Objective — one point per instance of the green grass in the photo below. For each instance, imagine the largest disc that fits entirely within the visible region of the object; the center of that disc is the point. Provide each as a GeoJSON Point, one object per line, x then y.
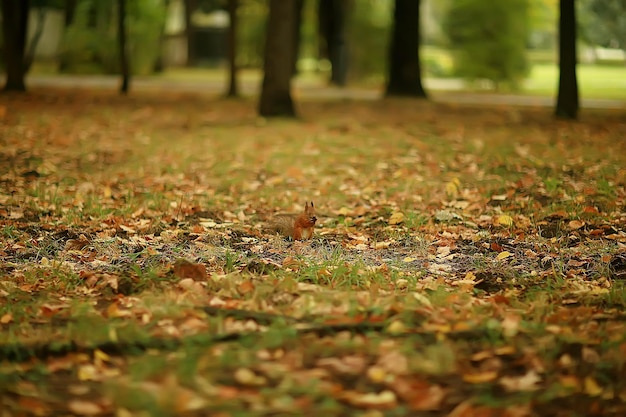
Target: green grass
{"type": "Point", "coordinates": [594, 81]}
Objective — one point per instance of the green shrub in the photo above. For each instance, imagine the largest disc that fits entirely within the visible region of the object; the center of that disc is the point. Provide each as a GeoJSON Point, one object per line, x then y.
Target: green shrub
{"type": "Point", "coordinates": [488, 39]}
{"type": "Point", "coordinates": [90, 43]}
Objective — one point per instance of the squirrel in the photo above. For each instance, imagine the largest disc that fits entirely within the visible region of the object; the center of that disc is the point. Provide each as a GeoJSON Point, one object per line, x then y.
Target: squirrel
{"type": "Point", "coordinates": [297, 228]}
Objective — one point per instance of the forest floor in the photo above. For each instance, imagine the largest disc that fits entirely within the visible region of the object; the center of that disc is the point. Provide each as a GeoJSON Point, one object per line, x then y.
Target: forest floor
{"type": "Point", "coordinates": [467, 261]}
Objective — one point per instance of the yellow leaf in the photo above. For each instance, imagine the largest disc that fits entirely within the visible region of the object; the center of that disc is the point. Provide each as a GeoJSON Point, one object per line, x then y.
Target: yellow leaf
{"type": "Point", "coordinates": [396, 218]}
{"type": "Point", "coordinates": [504, 220]}
{"type": "Point", "coordinates": [396, 327]}
{"type": "Point", "coordinates": [470, 276]}
{"type": "Point", "coordinates": [7, 318]}
{"type": "Point", "coordinates": [408, 259]}
{"type": "Point", "coordinates": [591, 387]}
{"type": "Point", "coordinates": [503, 255]}
{"type": "Point", "coordinates": [452, 187]}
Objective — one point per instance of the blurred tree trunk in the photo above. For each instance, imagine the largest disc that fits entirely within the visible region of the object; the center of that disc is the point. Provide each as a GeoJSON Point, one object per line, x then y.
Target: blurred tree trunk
{"type": "Point", "coordinates": [567, 101]}
{"type": "Point", "coordinates": [297, 36]}
{"type": "Point", "coordinates": [233, 90]}
{"type": "Point", "coordinates": [405, 75]}
{"type": "Point", "coordinates": [14, 31]}
{"type": "Point", "coordinates": [332, 26]}
{"type": "Point", "coordinates": [70, 12]}
{"type": "Point", "coordinates": [29, 55]}
{"type": "Point", "coordinates": [121, 34]}
{"type": "Point", "coordinates": [159, 63]}
{"type": "Point", "coordinates": [190, 7]}
{"type": "Point", "coordinates": [278, 65]}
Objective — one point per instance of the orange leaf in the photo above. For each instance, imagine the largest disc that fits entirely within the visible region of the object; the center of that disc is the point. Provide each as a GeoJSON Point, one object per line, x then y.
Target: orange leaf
{"type": "Point", "coordinates": [480, 377]}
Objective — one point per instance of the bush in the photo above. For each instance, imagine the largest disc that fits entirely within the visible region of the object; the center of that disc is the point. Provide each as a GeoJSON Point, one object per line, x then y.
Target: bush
{"type": "Point", "coordinates": [90, 44]}
{"type": "Point", "coordinates": [488, 39]}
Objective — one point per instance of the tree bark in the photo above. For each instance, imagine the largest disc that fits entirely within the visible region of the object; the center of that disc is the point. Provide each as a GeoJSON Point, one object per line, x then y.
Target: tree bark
{"type": "Point", "coordinates": [332, 26]}
{"type": "Point", "coordinates": [233, 90]}
{"type": "Point", "coordinates": [567, 103]}
{"type": "Point", "coordinates": [278, 65]}
{"type": "Point", "coordinates": [70, 12]}
{"type": "Point", "coordinates": [14, 30]}
{"type": "Point", "coordinates": [297, 36]}
{"type": "Point", "coordinates": [121, 34]}
{"type": "Point", "coordinates": [190, 7]}
{"type": "Point", "coordinates": [405, 78]}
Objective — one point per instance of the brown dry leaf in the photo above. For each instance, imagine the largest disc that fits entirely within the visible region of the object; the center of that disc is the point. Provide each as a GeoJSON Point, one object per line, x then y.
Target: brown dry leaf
{"type": "Point", "coordinates": [49, 310]}
{"type": "Point", "coordinates": [114, 310]}
{"type": "Point", "coordinates": [575, 224]}
{"type": "Point", "coordinates": [186, 269]}
{"type": "Point", "coordinates": [527, 382]}
{"type": "Point", "coordinates": [6, 318]}
{"type": "Point", "coordinates": [419, 394]}
{"type": "Point", "coordinates": [35, 406]}
{"type": "Point", "coordinates": [85, 408]}
{"type": "Point", "coordinates": [480, 377]}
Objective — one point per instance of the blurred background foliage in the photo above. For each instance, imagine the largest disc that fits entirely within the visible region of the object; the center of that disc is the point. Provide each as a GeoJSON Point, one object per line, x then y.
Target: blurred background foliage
{"type": "Point", "coordinates": [478, 40]}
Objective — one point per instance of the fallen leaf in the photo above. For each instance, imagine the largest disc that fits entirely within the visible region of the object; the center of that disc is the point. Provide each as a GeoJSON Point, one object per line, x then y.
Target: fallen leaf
{"type": "Point", "coordinates": [396, 218]}
{"type": "Point", "coordinates": [527, 382]}
{"type": "Point", "coordinates": [503, 255]}
{"type": "Point", "coordinates": [84, 408]}
{"type": "Point", "coordinates": [480, 377]}
{"type": "Point", "coordinates": [504, 220]}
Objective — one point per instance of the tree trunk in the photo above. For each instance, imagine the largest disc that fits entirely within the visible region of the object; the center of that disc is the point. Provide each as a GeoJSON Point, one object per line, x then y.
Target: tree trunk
{"type": "Point", "coordinates": [14, 30]}
{"type": "Point", "coordinates": [405, 78]}
{"type": "Point", "coordinates": [121, 34]}
{"type": "Point", "coordinates": [159, 63]}
{"type": "Point", "coordinates": [567, 101]}
{"type": "Point", "coordinates": [332, 26]}
{"type": "Point", "coordinates": [279, 50]}
{"type": "Point", "coordinates": [29, 56]}
{"type": "Point", "coordinates": [190, 7]}
{"type": "Point", "coordinates": [297, 36]}
{"type": "Point", "coordinates": [70, 12]}
{"type": "Point", "coordinates": [233, 90]}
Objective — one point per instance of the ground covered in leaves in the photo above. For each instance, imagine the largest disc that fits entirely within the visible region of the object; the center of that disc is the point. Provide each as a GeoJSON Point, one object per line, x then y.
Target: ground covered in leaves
{"type": "Point", "coordinates": [468, 261]}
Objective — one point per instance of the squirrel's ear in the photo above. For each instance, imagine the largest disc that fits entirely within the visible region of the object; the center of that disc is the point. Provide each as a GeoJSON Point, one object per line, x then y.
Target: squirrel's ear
{"type": "Point", "coordinates": [311, 204]}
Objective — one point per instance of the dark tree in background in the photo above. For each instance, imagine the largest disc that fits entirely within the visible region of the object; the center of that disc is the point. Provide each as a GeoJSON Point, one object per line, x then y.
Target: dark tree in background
{"type": "Point", "coordinates": [123, 51]}
{"type": "Point", "coordinates": [297, 22]}
{"type": "Point", "coordinates": [279, 56]}
{"type": "Point", "coordinates": [233, 91]}
{"type": "Point", "coordinates": [190, 7]}
{"type": "Point", "coordinates": [332, 27]}
{"type": "Point", "coordinates": [14, 30]}
{"type": "Point", "coordinates": [69, 14]}
{"type": "Point", "coordinates": [405, 75]}
{"type": "Point", "coordinates": [567, 101]}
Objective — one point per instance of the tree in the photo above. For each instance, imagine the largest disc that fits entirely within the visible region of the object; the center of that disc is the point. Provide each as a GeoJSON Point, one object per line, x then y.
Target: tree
{"type": "Point", "coordinates": [605, 22]}
{"type": "Point", "coordinates": [14, 30]}
{"type": "Point", "coordinates": [190, 7]}
{"type": "Point", "coordinates": [567, 100]}
{"type": "Point", "coordinates": [278, 65]}
{"type": "Point", "coordinates": [69, 14]}
{"type": "Point", "coordinates": [405, 77]}
{"type": "Point", "coordinates": [232, 48]}
{"type": "Point", "coordinates": [489, 39]}
{"type": "Point", "coordinates": [121, 34]}
{"type": "Point", "coordinates": [332, 27]}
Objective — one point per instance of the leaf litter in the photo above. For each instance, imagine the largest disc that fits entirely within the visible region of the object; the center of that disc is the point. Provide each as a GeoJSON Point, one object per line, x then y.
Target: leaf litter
{"type": "Point", "coordinates": [464, 263]}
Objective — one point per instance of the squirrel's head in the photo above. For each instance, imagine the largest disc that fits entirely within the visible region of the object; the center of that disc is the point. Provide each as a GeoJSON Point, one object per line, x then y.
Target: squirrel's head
{"type": "Point", "coordinates": [309, 210]}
